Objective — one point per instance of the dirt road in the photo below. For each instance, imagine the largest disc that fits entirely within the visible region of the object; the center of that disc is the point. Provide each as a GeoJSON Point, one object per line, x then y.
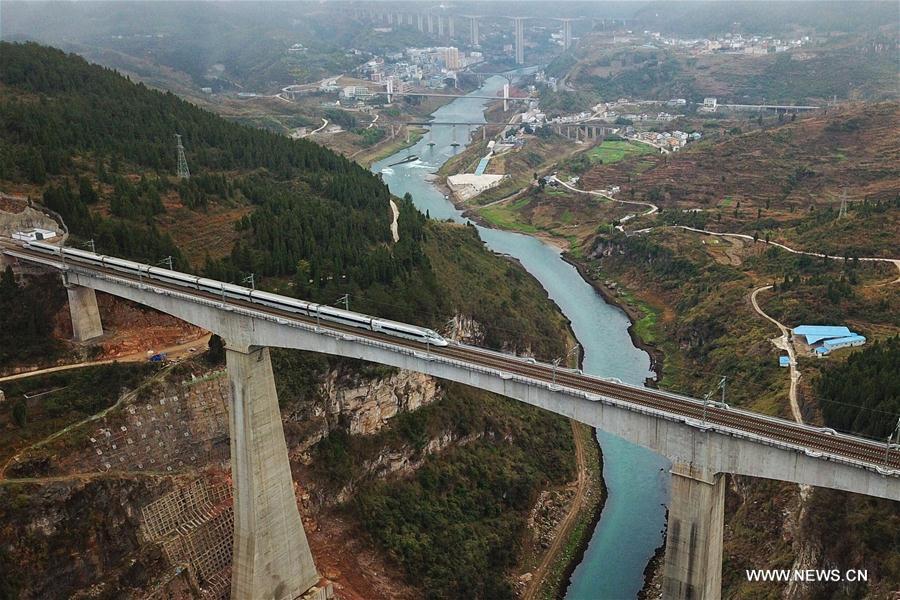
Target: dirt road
{"type": "Point", "coordinates": [565, 527]}
{"type": "Point", "coordinates": [784, 343]}
{"type": "Point", "coordinates": [172, 352]}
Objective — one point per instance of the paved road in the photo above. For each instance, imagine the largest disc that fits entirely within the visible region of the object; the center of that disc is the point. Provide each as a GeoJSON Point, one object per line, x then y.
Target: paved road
{"type": "Point", "coordinates": [652, 207]}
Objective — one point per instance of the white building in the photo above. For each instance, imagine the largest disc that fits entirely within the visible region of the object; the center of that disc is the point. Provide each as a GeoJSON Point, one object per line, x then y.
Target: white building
{"type": "Point", "coordinates": [450, 55]}
{"type": "Point", "coordinates": [34, 235]}
{"type": "Point", "coordinates": [709, 105]}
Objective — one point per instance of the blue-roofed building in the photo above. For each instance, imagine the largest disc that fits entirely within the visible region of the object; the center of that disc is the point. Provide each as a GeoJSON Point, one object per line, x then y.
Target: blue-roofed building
{"type": "Point", "coordinates": [843, 342]}
{"type": "Point", "coordinates": [784, 361]}
{"type": "Point", "coordinates": [817, 333]}
{"type": "Point", "coordinates": [822, 339]}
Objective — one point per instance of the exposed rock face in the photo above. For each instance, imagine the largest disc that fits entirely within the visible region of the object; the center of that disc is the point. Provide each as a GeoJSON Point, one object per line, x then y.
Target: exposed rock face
{"type": "Point", "coordinates": [366, 405]}
{"type": "Point", "coordinates": [466, 330]}
{"type": "Point", "coordinates": [27, 218]}
{"type": "Point", "coordinates": [604, 248]}
{"type": "Point", "coordinates": [363, 406]}
{"type": "Point", "coordinates": [77, 538]}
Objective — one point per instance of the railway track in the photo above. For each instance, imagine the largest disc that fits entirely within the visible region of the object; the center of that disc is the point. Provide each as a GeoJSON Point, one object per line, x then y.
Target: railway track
{"type": "Point", "coordinates": [785, 431]}
{"type": "Point", "coordinates": [803, 437]}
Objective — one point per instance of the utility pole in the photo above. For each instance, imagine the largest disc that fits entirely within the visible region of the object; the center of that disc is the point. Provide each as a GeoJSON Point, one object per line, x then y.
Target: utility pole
{"type": "Point", "coordinates": [887, 447]}
{"type": "Point", "coordinates": [557, 361]}
{"type": "Point", "coordinates": [346, 300]}
{"type": "Point", "coordinates": [168, 262]}
{"type": "Point", "coordinates": [707, 398]}
{"type": "Point", "coordinates": [183, 171]}
{"type": "Point", "coordinates": [452, 326]}
{"type": "Point", "coordinates": [251, 280]}
{"type": "Point", "coordinates": [90, 244]}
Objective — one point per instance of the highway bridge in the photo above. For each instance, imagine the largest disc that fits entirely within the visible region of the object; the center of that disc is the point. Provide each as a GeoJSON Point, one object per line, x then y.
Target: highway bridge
{"type": "Point", "coordinates": [460, 123]}
{"type": "Point", "coordinates": [443, 95]}
{"type": "Point", "coordinates": [704, 441]}
{"type": "Point", "coordinates": [777, 107]}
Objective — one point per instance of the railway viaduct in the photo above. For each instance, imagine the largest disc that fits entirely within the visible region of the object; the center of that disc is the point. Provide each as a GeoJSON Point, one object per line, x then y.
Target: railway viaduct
{"type": "Point", "coordinates": [272, 558]}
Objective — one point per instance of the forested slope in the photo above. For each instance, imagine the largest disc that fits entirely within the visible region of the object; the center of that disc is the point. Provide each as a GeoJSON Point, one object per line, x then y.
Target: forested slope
{"type": "Point", "coordinates": [100, 150]}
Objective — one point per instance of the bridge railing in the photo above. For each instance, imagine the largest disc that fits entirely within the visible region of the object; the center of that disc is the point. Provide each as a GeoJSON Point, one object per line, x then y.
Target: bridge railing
{"type": "Point", "coordinates": [494, 372]}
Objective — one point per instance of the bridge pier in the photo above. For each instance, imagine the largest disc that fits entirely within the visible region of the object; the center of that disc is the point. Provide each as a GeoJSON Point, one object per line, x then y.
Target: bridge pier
{"type": "Point", "coordinates": [83, 309]}
{"type": "Point", "coordinates": [693, 564]}
{"type": "Point", "coordinates": [272, 559]}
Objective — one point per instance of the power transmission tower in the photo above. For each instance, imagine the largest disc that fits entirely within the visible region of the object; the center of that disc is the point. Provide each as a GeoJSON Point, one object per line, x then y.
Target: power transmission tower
{"type": "Point", "coordinates": [843, 212]}
{"type": "Point", "coordinates": [183, 171]}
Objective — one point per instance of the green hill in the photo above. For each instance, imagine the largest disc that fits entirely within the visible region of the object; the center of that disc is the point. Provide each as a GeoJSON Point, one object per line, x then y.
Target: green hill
{"type": "Point", "coordinates": [100, 150]}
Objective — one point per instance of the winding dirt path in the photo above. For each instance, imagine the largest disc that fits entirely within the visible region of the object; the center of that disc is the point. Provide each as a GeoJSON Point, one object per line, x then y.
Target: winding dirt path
{"type": "Point", "coordinates": [171, 352]}
{"type": "Point", "coordinates": [90, 476]}
{"type": "Point", "coordinates": [395, 231]}
{"type": "Point", "coordinates": [784, 343]}
{"type": "Point", "coordinates": [315, 131]}
{"type": "Point", "coordinates": [744, 236]}
{"type": "Point", "coordinates": [565, 526]}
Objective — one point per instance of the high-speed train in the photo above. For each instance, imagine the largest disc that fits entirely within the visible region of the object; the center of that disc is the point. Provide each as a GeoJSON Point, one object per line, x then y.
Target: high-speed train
{"type": "Point", "coordinates": [236, 292]}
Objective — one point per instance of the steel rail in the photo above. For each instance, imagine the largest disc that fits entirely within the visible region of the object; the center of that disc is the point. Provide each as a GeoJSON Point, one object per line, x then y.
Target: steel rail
{"type": "Point", "coordinates": [869, 453]}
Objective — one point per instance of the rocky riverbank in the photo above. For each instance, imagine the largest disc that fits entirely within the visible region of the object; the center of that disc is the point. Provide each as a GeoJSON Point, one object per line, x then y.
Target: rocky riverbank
{"type": "Point", "coordinates": [634, 315]}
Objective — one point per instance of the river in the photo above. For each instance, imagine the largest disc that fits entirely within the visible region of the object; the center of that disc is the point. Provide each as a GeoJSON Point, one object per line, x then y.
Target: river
{"type": "Point", "coordinates": [631, 524]}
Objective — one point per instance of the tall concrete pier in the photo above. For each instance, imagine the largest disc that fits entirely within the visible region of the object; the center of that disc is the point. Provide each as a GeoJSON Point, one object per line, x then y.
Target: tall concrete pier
{"type": "Point", "coordinates": [693, 567]}
{"type": "Point", "coordinates": [86, 323]}
{"type": "Point", "coordinates": [272, 560]}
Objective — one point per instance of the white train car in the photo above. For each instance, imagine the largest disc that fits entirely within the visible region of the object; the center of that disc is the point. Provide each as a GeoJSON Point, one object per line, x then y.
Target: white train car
{"type": "Point", "coordinates": [237, 292]}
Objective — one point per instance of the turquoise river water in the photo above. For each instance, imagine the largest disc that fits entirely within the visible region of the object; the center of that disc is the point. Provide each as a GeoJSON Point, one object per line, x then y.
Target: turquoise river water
{"type": "Point", "coordinates": [637, 480]}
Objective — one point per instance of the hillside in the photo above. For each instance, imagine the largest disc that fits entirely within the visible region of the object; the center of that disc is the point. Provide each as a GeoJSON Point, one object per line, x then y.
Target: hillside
{"type": "Point", "coordinates": [99, 150]}
{"type": "Point", "coordinates": [786, 181]}
{"type": "Point", "coordinates": [691, 297]}
{"type": "Point", "coordinates": [198, 44]}
{"type": "Point", "coordinates": [859, 66]}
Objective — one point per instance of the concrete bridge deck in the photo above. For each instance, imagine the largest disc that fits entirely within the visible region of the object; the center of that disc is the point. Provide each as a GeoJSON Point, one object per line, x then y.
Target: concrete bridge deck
{"type": "Point", "coordinates": [703, 442]}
